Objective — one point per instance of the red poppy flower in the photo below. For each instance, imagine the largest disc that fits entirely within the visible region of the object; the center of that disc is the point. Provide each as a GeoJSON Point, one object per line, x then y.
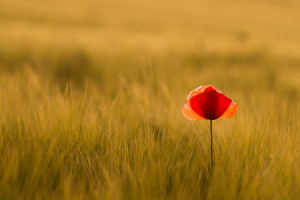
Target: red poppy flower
{"type": "Point", "coordinates": [207, 102]}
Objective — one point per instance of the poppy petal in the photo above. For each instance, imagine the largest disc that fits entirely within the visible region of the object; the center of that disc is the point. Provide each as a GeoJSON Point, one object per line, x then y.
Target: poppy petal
{"type": "Point", "coordinates": [230, 111]}
{"type": "Point", "coordinates": [211, 104]}
{"type": "Point", "coordinates": [199, 90]}
{"type": "Point", "coordinates": [190, 114]}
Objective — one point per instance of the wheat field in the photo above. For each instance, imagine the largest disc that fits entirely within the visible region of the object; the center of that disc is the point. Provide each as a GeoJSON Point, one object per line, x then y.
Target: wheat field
{"type": "Point", "coordinates": [91, 94]}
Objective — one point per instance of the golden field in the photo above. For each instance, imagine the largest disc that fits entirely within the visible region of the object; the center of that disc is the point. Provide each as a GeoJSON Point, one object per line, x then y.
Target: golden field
{"type": "Point", "coordinates": [91, 95]}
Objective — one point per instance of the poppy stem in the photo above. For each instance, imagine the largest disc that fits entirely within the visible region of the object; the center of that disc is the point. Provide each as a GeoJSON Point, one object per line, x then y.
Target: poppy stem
{"type": "Point", "coordinates": [211, 147]}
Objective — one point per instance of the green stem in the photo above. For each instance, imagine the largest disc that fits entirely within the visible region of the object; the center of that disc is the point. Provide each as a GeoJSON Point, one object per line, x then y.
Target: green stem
{"type": "Point", "coordinates": [211, 147]}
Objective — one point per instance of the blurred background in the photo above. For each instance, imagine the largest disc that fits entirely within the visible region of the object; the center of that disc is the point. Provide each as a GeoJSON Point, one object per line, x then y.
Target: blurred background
{"type": "Point", "coordinates": [240, 43]}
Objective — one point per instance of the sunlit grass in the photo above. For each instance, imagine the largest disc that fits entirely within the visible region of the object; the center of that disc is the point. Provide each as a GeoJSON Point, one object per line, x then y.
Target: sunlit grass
{"type": "Point", "coordinates": [77, 142]}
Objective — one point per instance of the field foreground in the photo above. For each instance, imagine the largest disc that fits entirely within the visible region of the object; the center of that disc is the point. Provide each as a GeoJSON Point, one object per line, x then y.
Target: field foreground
{"type": "Point", "coordinates": [91, 95]}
